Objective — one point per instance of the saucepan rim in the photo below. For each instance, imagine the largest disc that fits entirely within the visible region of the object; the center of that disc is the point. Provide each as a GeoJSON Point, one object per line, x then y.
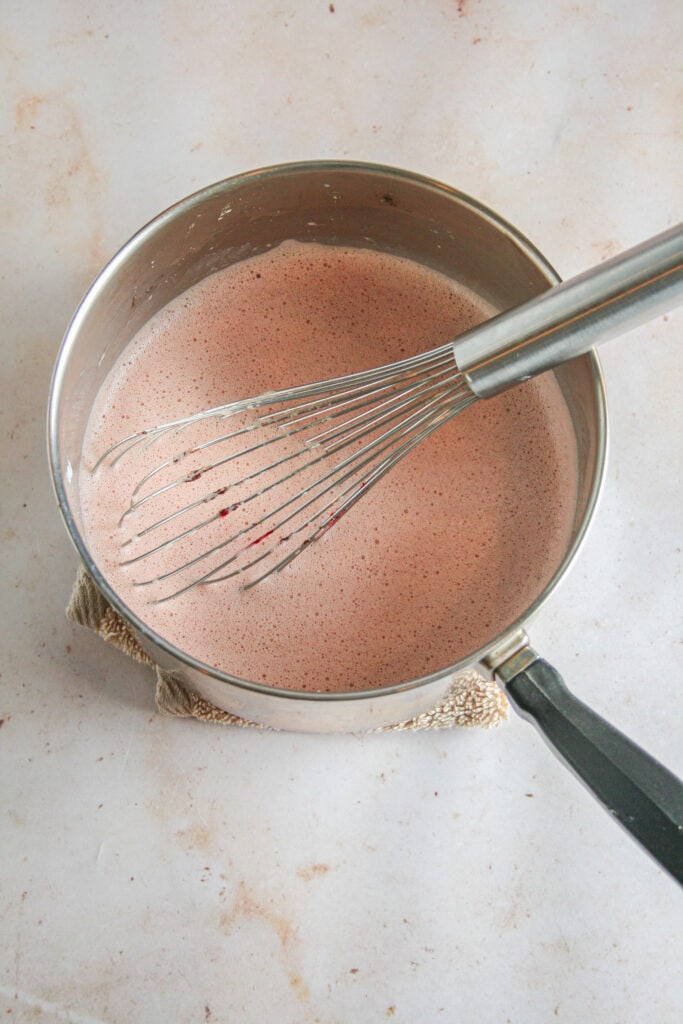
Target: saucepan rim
{"type": "Point", "coordinates": [231, 185]}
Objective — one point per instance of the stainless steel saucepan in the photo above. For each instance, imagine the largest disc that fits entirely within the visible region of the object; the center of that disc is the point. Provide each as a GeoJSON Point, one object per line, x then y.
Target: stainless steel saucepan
{"type": "Point", "coordinates": [404, 214]}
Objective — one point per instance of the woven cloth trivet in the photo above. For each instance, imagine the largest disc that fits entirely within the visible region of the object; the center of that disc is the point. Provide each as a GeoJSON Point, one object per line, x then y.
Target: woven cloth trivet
{"type": "Point", "coordinates": [471, 699]}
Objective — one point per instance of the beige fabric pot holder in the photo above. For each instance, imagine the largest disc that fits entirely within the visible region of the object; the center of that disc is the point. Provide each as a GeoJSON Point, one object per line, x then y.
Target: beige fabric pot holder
{"type": "Point", "coordinates": [470, 701]}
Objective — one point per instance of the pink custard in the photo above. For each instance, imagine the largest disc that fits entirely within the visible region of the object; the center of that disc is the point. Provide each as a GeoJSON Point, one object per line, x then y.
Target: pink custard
{"type": "Point", "coordinates": [442, 555]}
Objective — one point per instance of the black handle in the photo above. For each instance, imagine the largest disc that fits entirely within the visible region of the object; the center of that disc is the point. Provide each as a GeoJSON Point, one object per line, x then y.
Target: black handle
{"type": "Point", "coordinates": [640, 792]}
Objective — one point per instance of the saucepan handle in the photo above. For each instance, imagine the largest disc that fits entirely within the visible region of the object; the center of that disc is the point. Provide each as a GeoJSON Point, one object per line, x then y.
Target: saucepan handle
{"type": "Point", "coordinates": [643, 795]}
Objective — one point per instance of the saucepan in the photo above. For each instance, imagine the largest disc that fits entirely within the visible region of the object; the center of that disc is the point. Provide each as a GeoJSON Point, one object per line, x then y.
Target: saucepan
{"type": "Point", "coordinates": [404, 214]}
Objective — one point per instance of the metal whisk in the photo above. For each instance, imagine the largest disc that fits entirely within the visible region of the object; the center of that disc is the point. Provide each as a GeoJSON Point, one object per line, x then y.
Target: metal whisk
{"type": "Point", "coordinates": [296, 460]}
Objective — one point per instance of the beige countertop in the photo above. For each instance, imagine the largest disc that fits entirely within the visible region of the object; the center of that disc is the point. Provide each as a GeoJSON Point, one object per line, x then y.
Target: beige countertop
{"type": "Point", "coordinates": [162, 870]}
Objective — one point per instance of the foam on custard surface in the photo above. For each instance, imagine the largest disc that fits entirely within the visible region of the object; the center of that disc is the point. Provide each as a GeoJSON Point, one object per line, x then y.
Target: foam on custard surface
{"type": "Point", "coordinates": [446, 551]}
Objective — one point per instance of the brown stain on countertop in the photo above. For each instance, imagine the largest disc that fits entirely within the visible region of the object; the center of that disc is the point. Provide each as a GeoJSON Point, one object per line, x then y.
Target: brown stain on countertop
{"type": "Point", "coordinates": [247, 905]}
{"type": "Point", "coordinates": [606, 248]}
{"type": "Point", "coordinates": [299, 986]}
{"type": "Point", "coordinates": [312, 871]}
{"type": "Point", "coordinates": [49, 135]}
{"type": "Point", "coordinates": [195, 837]}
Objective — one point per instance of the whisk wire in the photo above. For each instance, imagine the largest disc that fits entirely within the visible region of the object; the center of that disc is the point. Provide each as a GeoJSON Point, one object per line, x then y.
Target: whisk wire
{"type": "Point", "coordinates": [384, 412]}
{"type": "Point", "coordinates": [343, 439]}
{"type": "Point", "coordinates": [332, 385]}
{"type": "Point", "coordinates": [380, 414]}
{"type": "Point", "coordinates": [354, 492]}
{"type": "Point", "coordinates": [428, 420]}
{"type": "Point", "coordinates": [335, 406]}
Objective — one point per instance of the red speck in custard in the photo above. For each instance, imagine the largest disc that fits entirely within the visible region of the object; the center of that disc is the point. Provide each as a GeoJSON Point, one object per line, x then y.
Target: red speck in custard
{"type": "Point", "coordinates": [259, 539]}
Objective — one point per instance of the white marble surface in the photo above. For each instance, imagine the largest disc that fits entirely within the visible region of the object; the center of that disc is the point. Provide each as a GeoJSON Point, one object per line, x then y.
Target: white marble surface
{"type": "Point", "coordinates": [161, 870]}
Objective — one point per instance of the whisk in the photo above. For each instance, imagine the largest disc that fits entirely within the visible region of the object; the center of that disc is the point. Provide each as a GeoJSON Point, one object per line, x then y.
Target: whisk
{"type": "Point", "coordinates": [296, 460]}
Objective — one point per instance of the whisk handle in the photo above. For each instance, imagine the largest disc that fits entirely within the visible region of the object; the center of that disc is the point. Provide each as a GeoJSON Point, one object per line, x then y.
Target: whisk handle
{"type": "Point", "coordinates": [644, 796]}
{"type": "Point", "coordinates": [570, 318]}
